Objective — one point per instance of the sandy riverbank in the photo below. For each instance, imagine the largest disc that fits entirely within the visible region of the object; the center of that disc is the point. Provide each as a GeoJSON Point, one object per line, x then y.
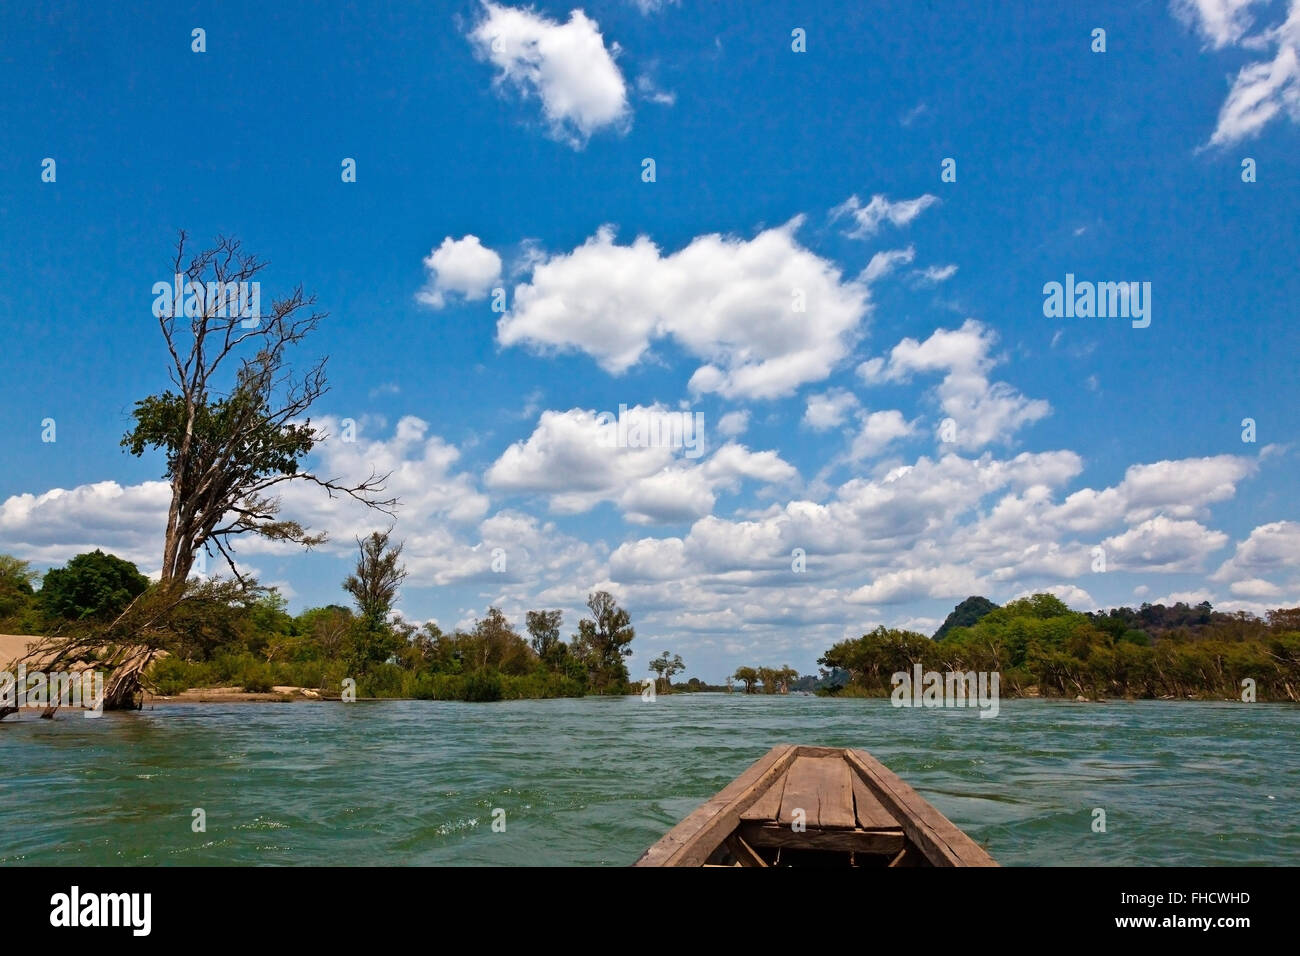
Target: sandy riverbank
{"type": "Point", "coordinates": [14, 647]}
{"type": "Point", "coordinates": [231, 695]}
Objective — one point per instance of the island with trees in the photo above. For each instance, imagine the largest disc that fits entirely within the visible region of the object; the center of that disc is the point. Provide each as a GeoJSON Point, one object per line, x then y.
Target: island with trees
{"type": "Point", "coordinates": [1042, 648]}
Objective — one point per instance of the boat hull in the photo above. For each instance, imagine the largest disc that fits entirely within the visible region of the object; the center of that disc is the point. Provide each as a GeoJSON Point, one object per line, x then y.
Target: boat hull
{"type": "Point", "coordinates": [816, 806]}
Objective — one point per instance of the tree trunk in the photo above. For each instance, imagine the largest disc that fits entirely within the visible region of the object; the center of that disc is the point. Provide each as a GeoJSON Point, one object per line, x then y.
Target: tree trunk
{"type": "Point", "coordinates": [124, 681]}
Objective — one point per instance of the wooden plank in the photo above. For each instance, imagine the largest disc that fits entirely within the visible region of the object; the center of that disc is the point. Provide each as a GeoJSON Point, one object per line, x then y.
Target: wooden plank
{"type": "Point", "coordinates": [743, 852]}
{"type": "Point", "coordinates": [694, 838]}
{"type": "Point", "coordinates": [801, 793]}
{"type": "Point", "coordinates": [884, 842]}
{"type": "Point", "coordinates": [933, 833]}
{"type": "Point", "coordinates": [823, 788]}
{"type": "Point", "coordinates": [806, 751]}
{"type": "Point", "coordinates": [867, 808]}
{"type": "Point", "coordinates": [836, 794]}
{"type": "Point", "coordinates": [768, 805]}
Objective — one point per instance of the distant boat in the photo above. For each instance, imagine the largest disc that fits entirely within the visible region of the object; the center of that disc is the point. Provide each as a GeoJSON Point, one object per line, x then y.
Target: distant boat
{"type": "Point", "coordinates": [816, 806]}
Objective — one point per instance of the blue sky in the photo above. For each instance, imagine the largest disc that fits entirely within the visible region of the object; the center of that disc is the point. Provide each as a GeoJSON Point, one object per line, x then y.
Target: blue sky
{"type": "Point", "coordinates": [521, 160]}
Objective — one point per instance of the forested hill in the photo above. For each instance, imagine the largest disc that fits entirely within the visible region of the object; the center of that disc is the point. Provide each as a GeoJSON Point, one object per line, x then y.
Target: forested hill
{"type": "Point", "coordinates": [1042, 647]}
{"type": "Point", "coordinates": [965, 614]}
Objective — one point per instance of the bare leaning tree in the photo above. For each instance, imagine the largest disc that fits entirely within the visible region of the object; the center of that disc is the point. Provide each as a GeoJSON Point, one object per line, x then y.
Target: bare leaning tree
{"type": "Point", "coordinates": [233, 429]}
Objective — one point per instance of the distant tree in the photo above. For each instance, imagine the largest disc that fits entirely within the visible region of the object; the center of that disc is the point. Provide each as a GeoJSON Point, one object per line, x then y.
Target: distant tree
{"type": "Point", "coordinates": [374, 585]}
{"type": "Point", "coordinates": [747, 676]}
{"type": "Point", "coordinates": [1040, 606]}
{"type": "Point", "coordinates": [378, 575]}
{"type": "Point", "coordinates": [216, 615]}
{"type": "Point", "coordinates": [965, 614]}
{"type": "Point", "coordinates": [544, 629]}
{"type": "Point", "coordinates": [604, 641]}
{"type": "Point", "coordinates": [495, 645]}
{"type": "Point", "coordinates": [665, 667]}
{"type": "Point", "coordinates": [326, 628]}
{"type": "Point", "coordinates": [17, 585]}
{"type": "Point", "coordinates": [872, 658]}
{"type": "Point", "coordinates": [831, 678]}
{"type": "Point", "coordinates": [775, 679]}
{"type": "Point", "coordinates": [1284, 620]}
{"type": "Point", "coordinates": [94, 586]}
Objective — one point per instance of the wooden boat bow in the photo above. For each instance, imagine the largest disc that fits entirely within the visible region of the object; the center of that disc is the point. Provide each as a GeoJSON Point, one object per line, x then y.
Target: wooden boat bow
{"type": "Point", "coordinates": [816, 806]}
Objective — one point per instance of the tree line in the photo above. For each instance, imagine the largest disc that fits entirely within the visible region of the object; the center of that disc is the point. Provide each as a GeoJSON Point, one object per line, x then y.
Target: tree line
{"type": "Point", "coordinates": [773, 680]}
{"type": "Point", "coordinates": [238, 634]}
{"type": "Point", "coordinates": [1042, 648]}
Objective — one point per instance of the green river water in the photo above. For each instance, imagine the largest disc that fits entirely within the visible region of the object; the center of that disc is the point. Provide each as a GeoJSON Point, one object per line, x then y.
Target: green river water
{"type": "Point", "coordinates": [595, 781]}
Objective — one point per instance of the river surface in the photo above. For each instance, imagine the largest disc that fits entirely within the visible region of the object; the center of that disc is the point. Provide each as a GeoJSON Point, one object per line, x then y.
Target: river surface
{"type": "Point", "coordinates": [595, 781]}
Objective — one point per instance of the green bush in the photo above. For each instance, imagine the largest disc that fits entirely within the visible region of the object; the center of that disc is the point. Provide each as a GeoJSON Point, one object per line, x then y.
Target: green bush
{"type": "Point", "coordinates": [383, 680]}
{"type": "Point", "coordinates": [540, 684]}
{"type": "Point", "coordinates": [482, 687]}
{"type": "Point", "coordinates": [172, 675]}
{"type": "Point", "coordinates": [256, 677]}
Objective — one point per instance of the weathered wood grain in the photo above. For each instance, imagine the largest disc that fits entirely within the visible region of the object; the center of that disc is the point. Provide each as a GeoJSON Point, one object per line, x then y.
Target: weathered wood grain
{"type": "Point", "coordinates": [934, 834]}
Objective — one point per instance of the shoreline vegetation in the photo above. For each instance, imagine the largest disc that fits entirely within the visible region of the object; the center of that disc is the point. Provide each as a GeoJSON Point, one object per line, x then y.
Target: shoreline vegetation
{"type": "Point", "coordinates": [243, 645]}
{"type": "Point", "coordinates": [1041, 648]}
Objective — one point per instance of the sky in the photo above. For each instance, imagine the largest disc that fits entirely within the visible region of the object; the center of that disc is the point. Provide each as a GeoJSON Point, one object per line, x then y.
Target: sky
{"type": "Point", "coordinates": [826, 232]}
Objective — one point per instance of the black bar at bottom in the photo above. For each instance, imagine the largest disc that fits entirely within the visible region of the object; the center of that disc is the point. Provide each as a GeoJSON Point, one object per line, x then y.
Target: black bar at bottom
{"type": "Point", "coordinates": [952, 908]}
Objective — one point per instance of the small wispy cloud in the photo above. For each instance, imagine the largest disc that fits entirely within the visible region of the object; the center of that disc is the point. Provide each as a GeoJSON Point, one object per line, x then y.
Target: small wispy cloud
{"type": "Point", "coordinates": [912, 115]}
{"type": "Point", "coordinates": [883, 263]}
{"type": "Point", "coordinates": [1262, 90]}
{"type": "Point", "coordinates": [933, 275]}
{"type": "Point", "coordinates": [868, 219]}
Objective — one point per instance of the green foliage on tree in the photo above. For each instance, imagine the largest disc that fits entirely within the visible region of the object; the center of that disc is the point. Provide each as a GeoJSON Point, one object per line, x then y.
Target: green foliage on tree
{"type": "Point", "coordinates": [17, 587]}
{"type": "Point", "coordinates": [378, 575]}
{"type": "Point", "coordinates": [544, 630]}
{"type": "Point", "coordinates": [371, 639]}
{"type": "Point", "coordinates": [665, 667]}
{"type": "Point", "coordinates": [603, 643]}
{"type": "Point", "coordinates": [1041, 647]}
{"type": "Point", "coordinates": [776, 679]}
{"type": "Point", "coordinates": [91, 587]}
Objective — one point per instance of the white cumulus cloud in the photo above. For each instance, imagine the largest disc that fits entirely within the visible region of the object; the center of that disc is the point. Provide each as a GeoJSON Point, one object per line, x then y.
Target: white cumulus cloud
{"type": "Point", "coordinates": [463, 267]}
{"type": "Point", "coordinates": [828, 409]}
{"type": "Point", "coordinates": [984, 412]}
{"type": "Point", "coordinates": [732, 303]}
{"type": "Point", "coordinates": [565, 65]}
